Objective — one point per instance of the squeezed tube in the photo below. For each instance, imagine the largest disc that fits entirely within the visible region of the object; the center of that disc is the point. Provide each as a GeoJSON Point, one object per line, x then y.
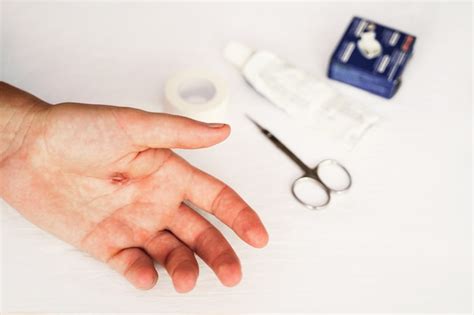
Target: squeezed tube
{"type": "Point", "coordinates": [300, 94]}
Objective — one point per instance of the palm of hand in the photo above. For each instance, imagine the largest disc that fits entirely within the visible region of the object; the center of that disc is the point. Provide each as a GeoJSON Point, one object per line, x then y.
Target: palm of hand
{"type": "Point", "coordinates": [104, 179]}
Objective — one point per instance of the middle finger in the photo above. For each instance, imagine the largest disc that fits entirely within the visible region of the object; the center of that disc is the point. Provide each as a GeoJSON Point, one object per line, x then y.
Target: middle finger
{"type": "Point", "coordinates": [202, 237]}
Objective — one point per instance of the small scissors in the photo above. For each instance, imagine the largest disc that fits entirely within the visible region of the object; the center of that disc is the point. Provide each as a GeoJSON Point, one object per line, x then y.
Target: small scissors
{"type": "Point", "coordinates": [310, 174]}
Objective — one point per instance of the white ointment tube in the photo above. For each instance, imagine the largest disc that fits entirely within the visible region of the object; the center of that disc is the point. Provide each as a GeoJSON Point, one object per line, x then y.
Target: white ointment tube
{"type": "Point", "coordinates": [300, 94]}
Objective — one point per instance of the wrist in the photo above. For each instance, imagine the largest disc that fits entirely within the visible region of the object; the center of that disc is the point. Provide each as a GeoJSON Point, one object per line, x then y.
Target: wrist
{"type": "Point", "coordinates": [18, 111]}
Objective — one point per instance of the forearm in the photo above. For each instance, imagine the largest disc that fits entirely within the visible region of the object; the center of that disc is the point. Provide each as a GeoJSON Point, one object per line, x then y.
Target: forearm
{"type": "Point", "coordinates": [17, 111]}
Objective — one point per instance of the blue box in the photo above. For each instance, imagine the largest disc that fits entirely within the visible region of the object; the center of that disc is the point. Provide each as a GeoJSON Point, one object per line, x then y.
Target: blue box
{"type": "Point", "coordinates": [372, 57]}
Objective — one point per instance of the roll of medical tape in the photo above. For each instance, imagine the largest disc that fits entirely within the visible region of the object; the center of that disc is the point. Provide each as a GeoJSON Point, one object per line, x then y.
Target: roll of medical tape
{"type": "Point", "coordinates": [197, 94]}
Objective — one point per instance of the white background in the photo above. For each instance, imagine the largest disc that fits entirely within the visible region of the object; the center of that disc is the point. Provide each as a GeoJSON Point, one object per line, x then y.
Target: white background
{"type": "Point", "coordinates": [400, 240]}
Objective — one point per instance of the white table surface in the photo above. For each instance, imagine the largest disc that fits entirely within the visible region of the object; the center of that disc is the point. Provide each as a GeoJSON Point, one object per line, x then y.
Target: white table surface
{"type": "Point", "coordinates": [399, 241]}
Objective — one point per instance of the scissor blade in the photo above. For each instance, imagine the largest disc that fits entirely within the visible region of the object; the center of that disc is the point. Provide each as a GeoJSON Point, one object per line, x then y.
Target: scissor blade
{"type": "Point", "coordinates": [280, 145]}
{"type": "Point", "coordinates": [256, 123]}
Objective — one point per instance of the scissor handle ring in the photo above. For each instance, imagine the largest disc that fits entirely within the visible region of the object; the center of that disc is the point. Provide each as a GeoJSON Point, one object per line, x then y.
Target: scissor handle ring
{"type": "Point", "coordinates": [306, 178]}
{"type": "Point", "coordinates": [334, 162]}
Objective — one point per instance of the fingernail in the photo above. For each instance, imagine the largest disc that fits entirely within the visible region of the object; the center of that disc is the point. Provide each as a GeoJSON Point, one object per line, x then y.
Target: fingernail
{"type": "Point", "coordinates": [215, 125]}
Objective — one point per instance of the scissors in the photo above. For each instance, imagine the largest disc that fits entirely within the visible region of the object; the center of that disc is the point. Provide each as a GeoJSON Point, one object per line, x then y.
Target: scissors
{"type": "Point", "coordinates": [310, 174]}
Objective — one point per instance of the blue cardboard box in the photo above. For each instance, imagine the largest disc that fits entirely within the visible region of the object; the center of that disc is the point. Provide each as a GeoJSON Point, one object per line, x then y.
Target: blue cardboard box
{"type": "Point", "coordinates": [372, 57]}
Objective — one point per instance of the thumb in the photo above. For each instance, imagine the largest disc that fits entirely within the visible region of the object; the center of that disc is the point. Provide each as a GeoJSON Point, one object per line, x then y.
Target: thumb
{"type": "Point", "coordinates": [158, 130]}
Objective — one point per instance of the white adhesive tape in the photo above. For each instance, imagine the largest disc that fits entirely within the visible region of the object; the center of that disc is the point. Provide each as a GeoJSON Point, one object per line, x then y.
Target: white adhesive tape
{"type": "Point", "coordinates": [197, 94]}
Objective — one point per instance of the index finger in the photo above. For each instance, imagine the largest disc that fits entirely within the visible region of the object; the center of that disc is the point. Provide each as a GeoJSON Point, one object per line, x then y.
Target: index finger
{"type": "Point", "coordinates": [212, 195]}
{"type": "Point", "coordinates": [159, 130]}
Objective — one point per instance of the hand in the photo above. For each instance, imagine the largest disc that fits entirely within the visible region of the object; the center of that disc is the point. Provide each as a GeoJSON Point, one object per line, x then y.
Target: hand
{"type": "Point", "coordinates": [104, 179]}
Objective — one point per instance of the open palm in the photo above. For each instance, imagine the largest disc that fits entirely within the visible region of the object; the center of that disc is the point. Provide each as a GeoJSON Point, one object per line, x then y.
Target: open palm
{"type": "Point", "coordinates": [104, 179]}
